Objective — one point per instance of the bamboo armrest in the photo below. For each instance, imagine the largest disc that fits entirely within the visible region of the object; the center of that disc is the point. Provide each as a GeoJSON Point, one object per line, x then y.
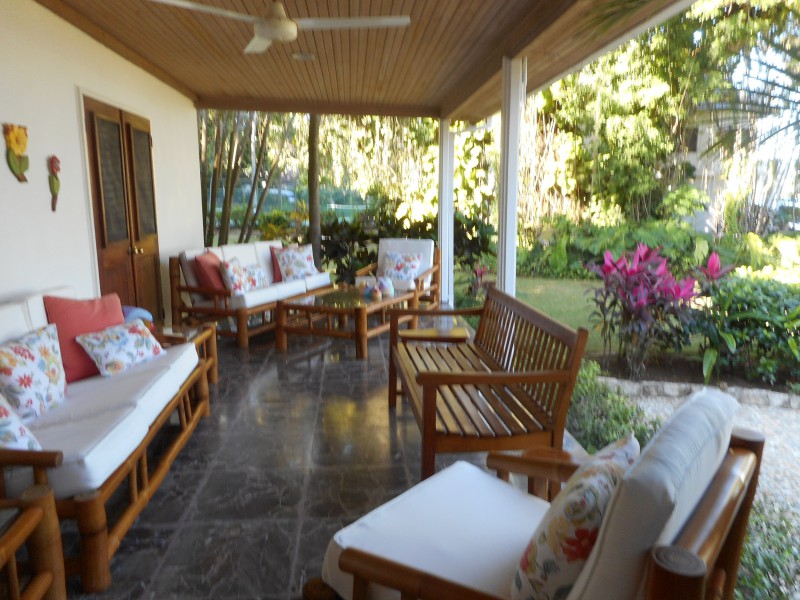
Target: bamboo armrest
{"type": "Point", "coordinates": [31, 458]}
{"type": "Point", "coordinates": [491, 377]}
{"type": "Point", "coordinates": [414, 583]}
{"type": "Point", "coordinates": [18, 532]}
{"type": "Point", "coordinates": [420, 278]}
{"type": "Point", "coordinates": [545, 463]}
{"type": "Point", "coordinates": [395, 313]}
{"type": "Point", "coordinates": [369, 269]}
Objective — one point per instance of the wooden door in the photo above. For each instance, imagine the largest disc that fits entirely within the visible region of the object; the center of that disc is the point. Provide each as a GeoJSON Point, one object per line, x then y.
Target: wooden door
{"type": "Point", "coordinates": [126, 233]}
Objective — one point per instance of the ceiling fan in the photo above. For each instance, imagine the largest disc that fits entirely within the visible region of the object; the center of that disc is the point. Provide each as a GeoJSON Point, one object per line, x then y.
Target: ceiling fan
{"type": "Point", "coordinates": [276, 26]}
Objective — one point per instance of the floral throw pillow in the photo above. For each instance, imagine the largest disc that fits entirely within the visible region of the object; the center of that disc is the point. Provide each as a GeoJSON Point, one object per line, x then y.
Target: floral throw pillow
{"type": "Point", "coordinates": [120, 347]}
{"type": "Point", "coordinates": [399, 266]}
{"type": "Point", "coordinates": [566, 535]}
{"type": "Point", "coordinates": [296, 263]}
{"type": "Point", "coordinates": [32, 373]}
{"type": "Point", "coordinates": [13, 433]}
{"type": "Point", "coordinates": [256, 276]}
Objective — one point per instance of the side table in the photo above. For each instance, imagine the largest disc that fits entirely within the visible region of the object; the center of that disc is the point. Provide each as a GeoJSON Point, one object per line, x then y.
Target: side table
{"type": "Point", "coordinates": [204, 338]}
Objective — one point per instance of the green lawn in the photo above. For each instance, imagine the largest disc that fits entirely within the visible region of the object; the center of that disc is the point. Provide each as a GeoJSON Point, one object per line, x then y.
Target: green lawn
{"type": "Point", "coordinates": [566, 300]}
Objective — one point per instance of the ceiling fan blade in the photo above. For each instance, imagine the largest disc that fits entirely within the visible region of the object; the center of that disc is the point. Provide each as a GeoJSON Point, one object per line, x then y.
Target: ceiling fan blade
{"type": "Point", "coordinates": [257, 45]}
{"type": "Point", "coordinates": [212, 10]}
{"type": "Point", "coordinates": [353, 22]}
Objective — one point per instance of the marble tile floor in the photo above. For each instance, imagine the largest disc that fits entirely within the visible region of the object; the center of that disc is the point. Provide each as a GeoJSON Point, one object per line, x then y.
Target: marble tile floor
{"type": "Point", "coordinates": [298, 444]}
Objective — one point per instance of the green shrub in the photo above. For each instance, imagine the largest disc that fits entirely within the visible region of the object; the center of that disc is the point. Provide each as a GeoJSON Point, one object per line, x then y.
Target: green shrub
{"type": "Point", "coordinates": [770, 564]}
{"type": "Point", "coordinates": [751, 324]}
{"type": "Point", "coordinates": [598, 415]}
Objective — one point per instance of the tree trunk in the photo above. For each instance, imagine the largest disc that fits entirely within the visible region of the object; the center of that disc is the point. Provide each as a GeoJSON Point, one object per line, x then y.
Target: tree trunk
{"type": "Point", "coordinates": [314, 222]}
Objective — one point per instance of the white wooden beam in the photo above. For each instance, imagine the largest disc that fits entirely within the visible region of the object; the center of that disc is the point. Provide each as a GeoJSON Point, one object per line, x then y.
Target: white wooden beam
{"type": "Point", "coordinates": [446, 209]}
{"type": "Point", "coordinates": [514, 74]}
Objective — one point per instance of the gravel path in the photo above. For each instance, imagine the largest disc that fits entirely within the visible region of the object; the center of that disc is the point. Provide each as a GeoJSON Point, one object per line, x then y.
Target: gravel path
{"type": "Point", "coordinates": [777, 416]}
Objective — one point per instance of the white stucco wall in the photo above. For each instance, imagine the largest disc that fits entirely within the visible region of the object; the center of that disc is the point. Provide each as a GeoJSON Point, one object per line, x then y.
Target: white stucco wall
{"type": "Point", "coordinates": [46, 66]}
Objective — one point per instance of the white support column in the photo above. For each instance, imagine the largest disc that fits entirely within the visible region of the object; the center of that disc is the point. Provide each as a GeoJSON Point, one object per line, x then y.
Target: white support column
{"type": "Point", "coordinates": [446, 208]}
{"type": "Point", "coordinates": [514, 86]}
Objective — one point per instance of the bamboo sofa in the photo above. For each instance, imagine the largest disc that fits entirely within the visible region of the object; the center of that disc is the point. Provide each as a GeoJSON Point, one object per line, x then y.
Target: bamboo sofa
{"type": "Point", "coordinates": [250, 313]}
{"type": "Point", "coordinates": [107, 434]}
{"type": "Point", "coordinates": [508, 389]}
{"type": "Point", "coordinates": [672, 528]}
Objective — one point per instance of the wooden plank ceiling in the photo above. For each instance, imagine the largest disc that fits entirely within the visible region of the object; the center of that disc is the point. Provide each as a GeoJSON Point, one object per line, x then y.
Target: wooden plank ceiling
{"type": "Point", "coordinates": [447, 63]}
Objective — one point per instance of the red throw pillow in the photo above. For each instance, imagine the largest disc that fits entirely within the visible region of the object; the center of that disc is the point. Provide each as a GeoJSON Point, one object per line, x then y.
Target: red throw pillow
{"type": "Point", "coordinates": [206, 267]}
{"type": "Point", "coordinates": [276, 268]}
{"type": "Point", "coordinates": [76, 317]}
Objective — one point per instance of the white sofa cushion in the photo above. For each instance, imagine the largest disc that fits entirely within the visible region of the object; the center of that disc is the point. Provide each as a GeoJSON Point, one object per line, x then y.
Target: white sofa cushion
{"type": "Point", "coordinates": [317, 281]}
{"type": "Point", "coordinates": [420, 530]}
{"type": "Point", "coordinates": [93, 446]}
{"type": "Point", "coordinates": [147, 386]}
{"type": "Point", "coordinates": [271, 293]}
{"type": "Point", "coordinates": [657, 495]}
{"type": "Point", "coordinates": [246, 253]}
{"type": "Point", "coordinates": [13, 321]}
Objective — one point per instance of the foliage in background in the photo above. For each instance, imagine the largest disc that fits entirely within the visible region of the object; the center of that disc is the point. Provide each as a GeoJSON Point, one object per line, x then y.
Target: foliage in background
{"type": "Point", "coordinates": [752, 325]}
{"type": "Point", "coordinates": [598, 415]}
{"type": "Point", "coordinates": [641, 305]}
{"type": "Point", "coordinates": [770, 562]}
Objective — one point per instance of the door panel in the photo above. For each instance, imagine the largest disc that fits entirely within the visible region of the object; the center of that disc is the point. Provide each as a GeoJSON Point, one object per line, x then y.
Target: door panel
{"type": "Point", "coordinates": [124, 205]}
{"type": "Point", "coordinates": [147, 264]}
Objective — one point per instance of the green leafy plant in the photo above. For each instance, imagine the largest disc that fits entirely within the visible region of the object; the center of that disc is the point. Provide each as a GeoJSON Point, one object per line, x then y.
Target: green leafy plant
{"type": "Point", "coordinates": [346, 246]}
{"type": "Point", "coordinates": [598, 415]}
{"type": "Point", "coordinates": [751, 324]}
{"type": "Point", "coordinates": [770, 562]}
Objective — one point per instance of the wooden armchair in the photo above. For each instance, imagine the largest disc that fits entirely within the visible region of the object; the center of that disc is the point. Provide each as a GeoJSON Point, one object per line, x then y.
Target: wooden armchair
{"type": "Point", "coordinates": [673, 528]}
{"type": "Point", "coordinates": [32, 521]}
{"type": "Point", "coordinates": [427, 283]}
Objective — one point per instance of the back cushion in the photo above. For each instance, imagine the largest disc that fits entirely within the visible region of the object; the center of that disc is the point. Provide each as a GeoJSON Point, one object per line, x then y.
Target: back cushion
{"type": "Point", "coordinates": [207, 268]}
{"type": "Point", "coordinates": [74, 317]}
{"type": "Point", "coordinates": [657, 495]}
{"type": "Point", "coordinates": [423, 247]}
{"type": "Point", "coordinates": [13, 321]}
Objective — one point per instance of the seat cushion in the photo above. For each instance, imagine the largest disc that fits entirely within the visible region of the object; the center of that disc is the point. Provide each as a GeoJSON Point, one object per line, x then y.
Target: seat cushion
{"type": "Point", "coordinates": [94, 447]}
{"type": "Point", "coordinates": [317, 280]}
{"type": "Point", "coordinates": [425, 529]}
{"type": "Point", "coordinates": [657, 495]}
{"type": "Point", "coordinates": [269, 294]}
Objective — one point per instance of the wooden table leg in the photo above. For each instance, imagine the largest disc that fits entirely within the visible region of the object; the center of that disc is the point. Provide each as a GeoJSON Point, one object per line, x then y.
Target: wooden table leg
{"type": "Point", "coordinates": [360, 332]}
{"type": "Point", "coordinates": [280, 323]}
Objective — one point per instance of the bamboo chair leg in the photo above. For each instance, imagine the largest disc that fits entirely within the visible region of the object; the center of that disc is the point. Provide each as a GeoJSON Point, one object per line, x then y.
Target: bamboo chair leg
{"type": "Point", "coordinates": [94, 563]}
{"type": "Point", "coordinates": [44, 544]}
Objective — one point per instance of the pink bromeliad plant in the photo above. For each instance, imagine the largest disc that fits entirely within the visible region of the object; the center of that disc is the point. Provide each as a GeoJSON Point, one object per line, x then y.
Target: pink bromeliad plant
{"type": "Point", "coordinates": [642, 304]}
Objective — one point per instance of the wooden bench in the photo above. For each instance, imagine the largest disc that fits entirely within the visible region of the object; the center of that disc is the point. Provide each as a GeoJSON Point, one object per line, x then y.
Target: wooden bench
{"type": "Point", "coordinates": [508, 389]}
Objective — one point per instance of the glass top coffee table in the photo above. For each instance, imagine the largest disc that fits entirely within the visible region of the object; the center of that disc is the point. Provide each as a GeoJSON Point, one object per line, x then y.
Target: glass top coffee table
{"type": "Point", "coordinates": [328, 313]}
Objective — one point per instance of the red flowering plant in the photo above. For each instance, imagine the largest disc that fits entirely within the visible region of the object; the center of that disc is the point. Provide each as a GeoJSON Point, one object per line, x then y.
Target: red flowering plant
{"type": "Point", "coordinates": [642, 304]}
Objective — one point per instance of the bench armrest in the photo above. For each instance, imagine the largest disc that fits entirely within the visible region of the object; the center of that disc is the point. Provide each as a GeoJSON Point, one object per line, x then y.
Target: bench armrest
{"type": "Point", "coordinates": [542, 463]}
{"type": "Point", "coordinates": [420, 278]}
{"type": "Point", "coordinates": [491, 377]}
{"type": "Point", "coordinates": [412, 583]}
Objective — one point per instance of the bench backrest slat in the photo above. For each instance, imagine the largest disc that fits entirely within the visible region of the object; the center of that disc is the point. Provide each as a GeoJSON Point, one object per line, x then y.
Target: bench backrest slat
{"type": "Point", "coordinates": [520, 338]}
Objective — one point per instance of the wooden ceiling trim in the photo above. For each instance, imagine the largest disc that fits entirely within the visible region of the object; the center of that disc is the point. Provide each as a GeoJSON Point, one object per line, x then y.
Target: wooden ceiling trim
{"type": "Point", "coordinates": [92, 30]}
{"type": "Point", "coordinates": [537, 22]}
{"type": "Point", "coordinates": [325, 108]}
{"type": "Point", "coordinates": [423, 27]}
{"type": "Point", "coordinates": [462, 43]}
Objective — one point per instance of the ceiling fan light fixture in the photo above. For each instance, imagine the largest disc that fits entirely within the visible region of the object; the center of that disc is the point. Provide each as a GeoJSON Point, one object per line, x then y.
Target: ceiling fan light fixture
{"type": "Point", "coordinates": [276, 29]}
